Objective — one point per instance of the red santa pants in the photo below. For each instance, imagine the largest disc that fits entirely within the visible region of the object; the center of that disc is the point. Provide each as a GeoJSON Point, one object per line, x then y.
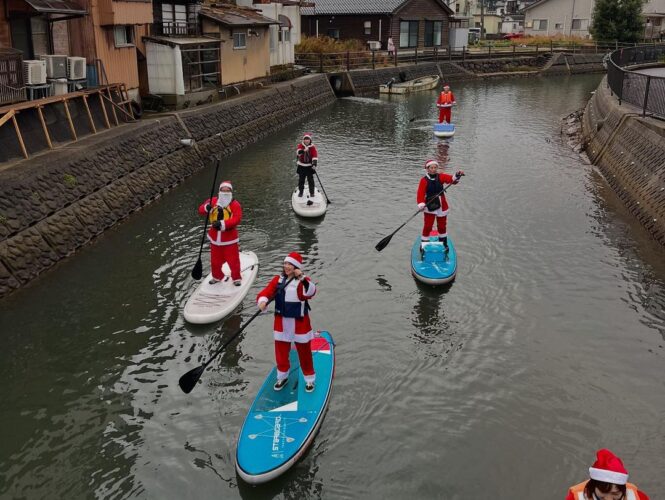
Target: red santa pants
{"type": "Point", "coordinates": [282, 350]}
{"type": "Point", "coordinates": [444, 114]}
{"type": "Point", "coordinates": [429, 222]}
{"type": "Point", "coordinates": [225, 253]}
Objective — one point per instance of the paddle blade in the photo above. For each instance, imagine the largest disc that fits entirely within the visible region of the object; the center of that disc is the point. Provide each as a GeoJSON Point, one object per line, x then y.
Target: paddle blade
{"type": "Point", "coordinates": [197, 271]}
{"type": "Point", "coordinates": [383, 243]}
{"type": "Point", "coordinates": [189, 379]}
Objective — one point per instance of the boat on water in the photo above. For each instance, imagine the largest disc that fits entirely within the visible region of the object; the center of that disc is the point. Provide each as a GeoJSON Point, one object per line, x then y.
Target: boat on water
{"type": "Point", "coordinates": [410, 86]}
{"type": "Point", "coordinates": [309, 206]}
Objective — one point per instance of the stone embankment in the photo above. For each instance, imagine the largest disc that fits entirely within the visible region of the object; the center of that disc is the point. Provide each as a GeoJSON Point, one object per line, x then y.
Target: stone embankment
{"type": "Point", "coordinates": [53, 204]}
{"type": "Point", "coordinates": [630, 152]}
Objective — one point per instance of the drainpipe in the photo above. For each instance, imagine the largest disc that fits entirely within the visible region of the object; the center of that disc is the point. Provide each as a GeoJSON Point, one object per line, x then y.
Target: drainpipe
{"type": "Point", "coordinates": [317, 28]}
{"type": "Point", "coordinates": [379, 30]}
{"type": "Point", "coordinates": [572, 16]}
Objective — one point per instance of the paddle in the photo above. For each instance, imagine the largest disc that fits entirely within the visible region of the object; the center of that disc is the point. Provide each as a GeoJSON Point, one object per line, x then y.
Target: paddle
{"type": "Point", "coordinates": [197, 271]}
{"type": "Point", "coordinates": [322, 188]}
{"type": "Point", "coordinates": [384, 242]}
{"type": "Point", "coordinates": [189, 379]}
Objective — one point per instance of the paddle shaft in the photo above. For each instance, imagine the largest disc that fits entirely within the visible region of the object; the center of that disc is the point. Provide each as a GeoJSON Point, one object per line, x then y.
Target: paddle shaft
{"type": "Point", "coordinates": [212, 192]}
{"type": "Point", "coordinates": [384, 242]}
{"type": "Point", "coordinates": [322, 188]}
{"type": "Point", "coordinates": [242, 328]}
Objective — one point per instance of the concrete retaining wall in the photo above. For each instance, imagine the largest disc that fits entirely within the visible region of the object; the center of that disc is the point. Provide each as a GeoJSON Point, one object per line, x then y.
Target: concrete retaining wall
{"type": "Point", "coordinates": [53, 204]}
{"type": "Point", "coordinates": [630, 152]}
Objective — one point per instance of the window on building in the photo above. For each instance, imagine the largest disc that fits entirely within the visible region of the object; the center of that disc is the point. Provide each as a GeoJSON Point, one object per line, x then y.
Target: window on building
{"type": "Point", "coordinates": [240, 40]}
{"type": "Point", "coordinates": [273, 37]}
{"type": "Point", "coordinates": [408, 34]}
{"type": "Point", "coordinates": [174, 19]}
{"type": "Point", "coordinates": [558, 26]}
{"type": "Point", "coordinates": [123, 35]}
{"type": "Point", "coordinates": [456, 8]}
{"type": "Point", "coordinates": [433, 33]}
{"type": "Point", "coordinates": [286, 34]}
{"type": "Point", "coordinates": [368, 27]}
{"type": "Point", "coordinates": [580, 24]}
{"type": "Point", "coordinates": [540, 24]}
{"type": "Point", "coordinates": [333, 33]}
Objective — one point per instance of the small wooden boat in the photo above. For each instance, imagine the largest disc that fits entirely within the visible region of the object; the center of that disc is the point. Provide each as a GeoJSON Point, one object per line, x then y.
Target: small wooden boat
{"type": "Point", "coordinates": [444, 129]}
{"type": "Point", "coordinates": [417, 85]}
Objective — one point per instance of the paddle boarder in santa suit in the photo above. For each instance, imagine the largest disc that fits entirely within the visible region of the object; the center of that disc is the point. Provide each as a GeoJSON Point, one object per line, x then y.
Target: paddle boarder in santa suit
{"type": "Point", "coordinates": [225, 215]}
{"type": "Point", "coordinates": [608, 481]}
{"type": "Point", "coordinates": [307, 159]}
{"type": "Point", "coordinates": [291, 290]}
{"type": "Point", "coordinates": [433, 206]}
{"type": "Point", "coordinates": [445, 103]}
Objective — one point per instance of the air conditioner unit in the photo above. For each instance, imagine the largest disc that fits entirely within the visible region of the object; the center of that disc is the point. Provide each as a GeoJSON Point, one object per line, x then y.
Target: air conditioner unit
{"type": "Point", "coordinates": [56, 66]}
{"type": "Point", "coordinates": [34, 72]}
{"type": "Point", "coordinates": [76, 68]}
{"type": "Point", "coordinates": [374, 45]}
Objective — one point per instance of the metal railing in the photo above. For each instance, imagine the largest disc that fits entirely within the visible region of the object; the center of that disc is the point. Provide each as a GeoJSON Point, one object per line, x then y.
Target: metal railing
{"type": "Point", "coordinates": [340, 61]}
{"type": "Point", "coordinates": [642, 90]}
{"type": "Point", "coordinates": [176, 28]}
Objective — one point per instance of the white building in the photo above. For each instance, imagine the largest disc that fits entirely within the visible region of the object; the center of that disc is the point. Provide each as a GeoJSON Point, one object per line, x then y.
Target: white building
{"type": "Point", "coordinates": [573, 18]}
{"type": "Point", "coordinates": [285, 36]}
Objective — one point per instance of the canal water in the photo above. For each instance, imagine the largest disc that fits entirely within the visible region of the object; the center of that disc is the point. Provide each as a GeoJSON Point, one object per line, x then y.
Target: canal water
{"type": "Point", "coordinates": [548, 346]}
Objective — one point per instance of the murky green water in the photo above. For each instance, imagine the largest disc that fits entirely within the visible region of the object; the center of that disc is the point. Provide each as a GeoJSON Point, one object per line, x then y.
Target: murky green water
{"type": "Point", "coordinates": [548, 345]}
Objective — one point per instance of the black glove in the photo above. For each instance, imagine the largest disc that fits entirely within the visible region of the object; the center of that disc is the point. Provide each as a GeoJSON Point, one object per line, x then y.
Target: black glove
{"type": "Point", "coordinates": [301, 152]}
{"type": "Point", "coordinates": [314, 163]}
{"type": "Point", "coordinates": [208, 207]}
{"type": "Point", "coordinates": [217, 225]}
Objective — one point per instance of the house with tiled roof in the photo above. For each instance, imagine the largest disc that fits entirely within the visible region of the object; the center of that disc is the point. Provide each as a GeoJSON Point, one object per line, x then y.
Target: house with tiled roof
{"type": "Point", "coordinates": [411, 23]}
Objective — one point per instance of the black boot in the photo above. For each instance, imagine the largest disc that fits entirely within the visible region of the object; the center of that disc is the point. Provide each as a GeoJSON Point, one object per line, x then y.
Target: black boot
{"type": "Point", "coordinates": [444, 240]}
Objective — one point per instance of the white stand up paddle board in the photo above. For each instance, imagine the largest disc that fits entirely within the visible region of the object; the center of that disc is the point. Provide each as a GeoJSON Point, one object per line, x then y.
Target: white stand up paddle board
{"type": "Point", "coordinates": [211, 303]}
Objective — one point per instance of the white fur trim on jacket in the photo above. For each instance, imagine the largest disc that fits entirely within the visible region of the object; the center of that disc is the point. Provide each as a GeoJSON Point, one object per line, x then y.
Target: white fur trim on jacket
{"type": "Point", "coordinates": [608, 476]}
{"type": "Point", "coordinates": [219, 242]}
{"type": "Point", "coordinates": [438, 212]}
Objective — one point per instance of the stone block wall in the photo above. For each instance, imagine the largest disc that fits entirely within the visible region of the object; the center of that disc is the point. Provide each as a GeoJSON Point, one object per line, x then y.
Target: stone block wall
{"type": "Point", "coordinates": [506, 64]}
{"type": "Point", "coordinates": [53, 204]}
{"type": "Point", "coordinates": [565, 63]}
{"type": "Point", "coordinates": [630, 153]}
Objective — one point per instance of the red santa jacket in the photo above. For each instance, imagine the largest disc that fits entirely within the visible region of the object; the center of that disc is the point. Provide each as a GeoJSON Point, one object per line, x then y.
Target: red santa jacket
{"type": "Point", "coordinates": [309, 155]}
{"type": "Point", "coordinates": [290, 329]}
{"type": "Point", "coordinates": [230, 217]}
{"type": "Point", "coordinates": [445, 99]}
{"type": "Point", "coordinates": [421, 195]}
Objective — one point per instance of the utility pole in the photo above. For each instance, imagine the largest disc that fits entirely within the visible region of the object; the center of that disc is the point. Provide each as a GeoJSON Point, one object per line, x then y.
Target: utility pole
{"type": "Point", "coordinates": [482, 19]}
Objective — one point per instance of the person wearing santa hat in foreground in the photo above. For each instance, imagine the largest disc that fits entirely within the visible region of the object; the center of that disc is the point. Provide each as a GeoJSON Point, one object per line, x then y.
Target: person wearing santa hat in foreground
{"type": "Point", "coordinates": [224, 214]}
{"type": "Point", "coordinates": [292, 291]}
{"type": "Point", "coordinates": [445, 103]}
{"type": "Point", "coordinates": [307, 160]}
{"type": "Point", "coordinates": [608, 481]}
{"type": "Point", "coordinates": [432, 201]}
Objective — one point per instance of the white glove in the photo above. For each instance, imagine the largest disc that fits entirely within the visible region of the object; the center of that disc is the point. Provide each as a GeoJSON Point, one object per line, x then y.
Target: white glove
{"type": "Point", "coordinates": [421, 206]}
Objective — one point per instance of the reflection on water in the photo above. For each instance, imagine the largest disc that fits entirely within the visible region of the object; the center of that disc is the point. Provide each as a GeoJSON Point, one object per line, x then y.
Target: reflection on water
{"type": "Point", "coordinates": [548, 345]}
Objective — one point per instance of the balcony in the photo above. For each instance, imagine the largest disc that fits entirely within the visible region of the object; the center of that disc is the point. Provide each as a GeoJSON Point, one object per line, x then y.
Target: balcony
{"type": "Point", "coordinates": [176, 29]}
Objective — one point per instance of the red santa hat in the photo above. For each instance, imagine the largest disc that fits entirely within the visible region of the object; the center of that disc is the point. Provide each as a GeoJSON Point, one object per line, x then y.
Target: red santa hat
{"type": "Point", "coordinates": [226, 184]}
{"type": "Point", "coordinates": [307, 135]}
{"type": "Point", "coordinates": [608, 468]}
{"type": "Point", "coordinates": [431, 162]}
{"type": "Point", "coordinates": [295, 259]}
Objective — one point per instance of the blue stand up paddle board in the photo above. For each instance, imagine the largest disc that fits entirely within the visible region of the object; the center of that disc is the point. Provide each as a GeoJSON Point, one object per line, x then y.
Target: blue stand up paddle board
{"type": "Point", "coordinates": [444, 129]}
{"type": "Point", "coordinates": [433, 265]}
{"type": "Point", "coordinates": [281, 424]}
